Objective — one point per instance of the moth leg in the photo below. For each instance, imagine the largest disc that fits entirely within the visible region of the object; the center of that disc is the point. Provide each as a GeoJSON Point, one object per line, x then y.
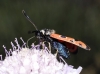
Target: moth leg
{"type": "Point", "coordinates": [49, 46]}
{"type": "Point", "coordinates": [43, 45]}
{"type": "Point", "coordinates": [62, 60]}
{"type": "Point", "coordinates": [56, 53]}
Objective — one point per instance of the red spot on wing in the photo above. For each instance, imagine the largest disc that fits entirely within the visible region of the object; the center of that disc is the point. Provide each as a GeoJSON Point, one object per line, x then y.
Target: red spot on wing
{"type": "Point", "coordinates": [71, 47]}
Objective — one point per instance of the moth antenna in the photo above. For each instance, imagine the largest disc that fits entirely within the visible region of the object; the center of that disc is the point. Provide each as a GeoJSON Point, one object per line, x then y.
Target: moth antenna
{"type": "Point", "coordinates": [28, 18]}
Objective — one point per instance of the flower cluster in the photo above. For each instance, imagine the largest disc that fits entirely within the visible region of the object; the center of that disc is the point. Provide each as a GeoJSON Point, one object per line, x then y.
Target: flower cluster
{"type": "Point", "coordinates": [34, 60]}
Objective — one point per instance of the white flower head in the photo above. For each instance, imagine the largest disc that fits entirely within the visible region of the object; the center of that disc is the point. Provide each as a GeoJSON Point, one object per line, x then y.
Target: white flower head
{"type": "Point", "coordinates": [23, 60]}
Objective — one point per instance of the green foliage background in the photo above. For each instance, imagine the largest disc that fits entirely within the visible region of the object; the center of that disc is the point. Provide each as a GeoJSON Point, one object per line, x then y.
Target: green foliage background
{"type": "Point", "coordinates": [79, 19]}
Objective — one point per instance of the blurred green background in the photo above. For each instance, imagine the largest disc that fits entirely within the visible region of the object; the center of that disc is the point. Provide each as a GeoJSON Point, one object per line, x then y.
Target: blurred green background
{"type": "Point", "coordinates": [79, 19]}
